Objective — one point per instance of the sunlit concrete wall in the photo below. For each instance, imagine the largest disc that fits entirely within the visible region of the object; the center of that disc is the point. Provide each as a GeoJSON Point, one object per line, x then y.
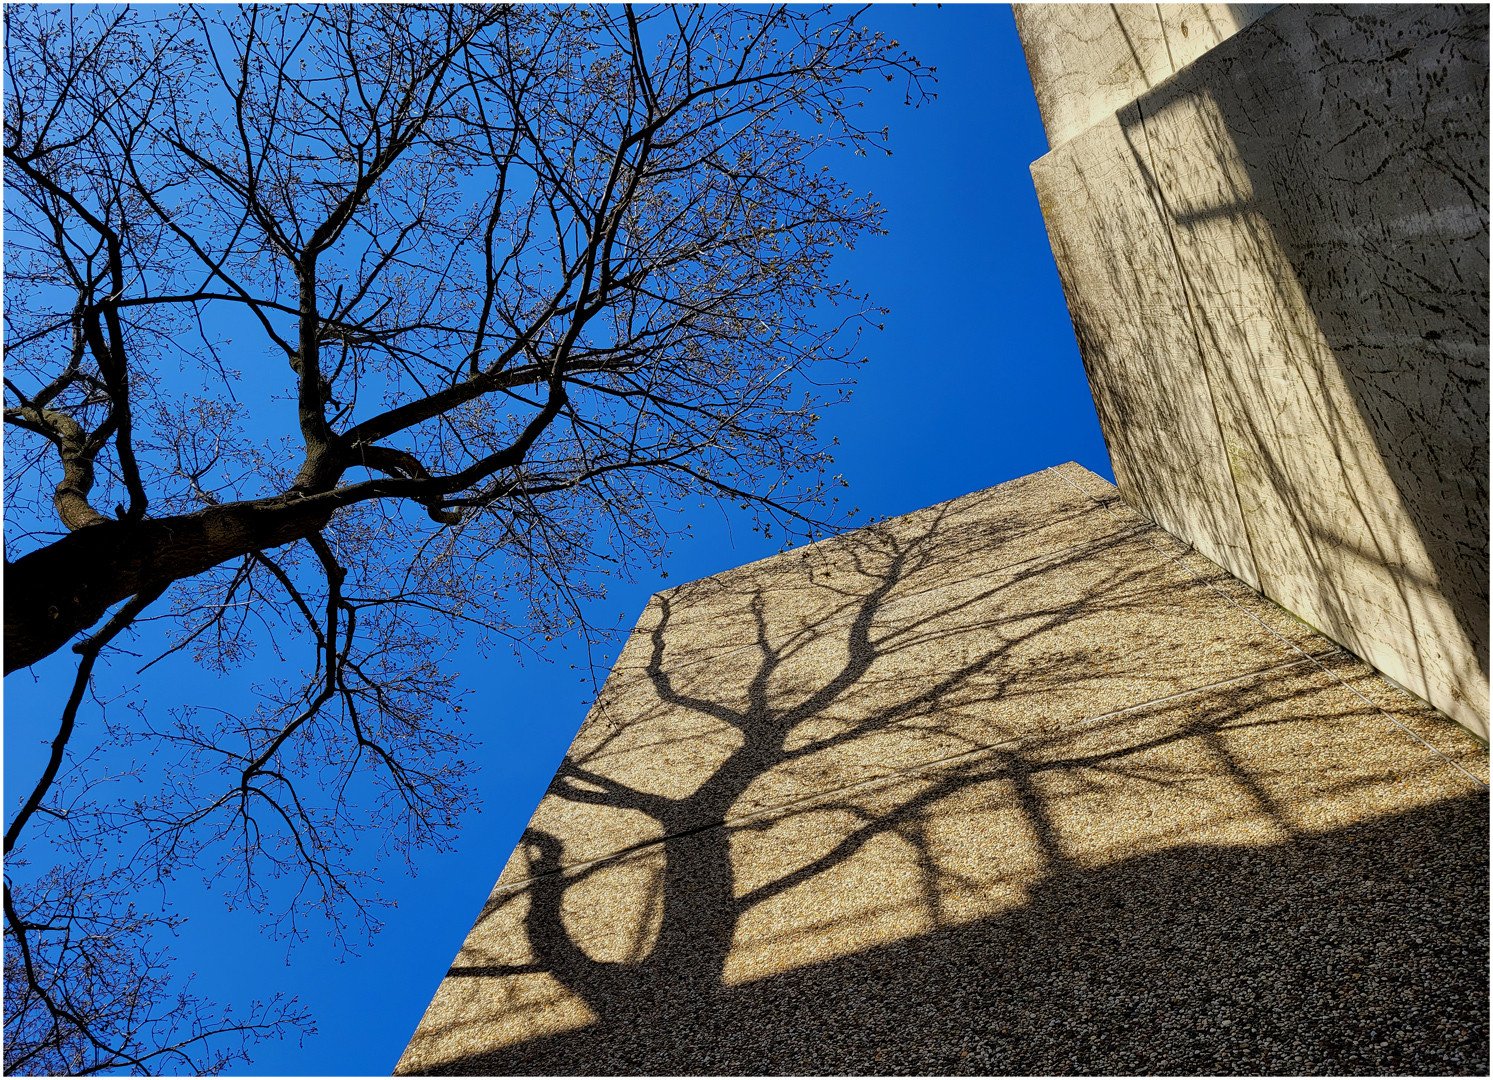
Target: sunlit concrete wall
{"type": "Point", "coordinates": [1087, 61]}
{"type": "Point", "coordinates": [1271, 225]}
{"type": "Point", "coordinates": [959, 792]}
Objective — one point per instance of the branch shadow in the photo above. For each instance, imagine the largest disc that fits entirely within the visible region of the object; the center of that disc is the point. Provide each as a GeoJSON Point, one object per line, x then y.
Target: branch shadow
{"type": "Point", "coordinates": [846, 785]}
{"type": "Point", "coordinates": [1277, 272]}
{"type": "Point", "coordinates": [1297, 958]}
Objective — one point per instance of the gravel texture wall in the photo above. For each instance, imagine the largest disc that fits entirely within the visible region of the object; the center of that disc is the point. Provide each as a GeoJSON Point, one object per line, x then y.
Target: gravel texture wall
{"type": "Point", "coordinates": [1276, 260]}
{"type": "Point", "coordinates": [1017, 783]}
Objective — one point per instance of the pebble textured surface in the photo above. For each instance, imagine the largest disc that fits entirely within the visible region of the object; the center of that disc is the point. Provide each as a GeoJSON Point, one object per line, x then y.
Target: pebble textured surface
{"type": "Point", "coordinates": [1276, 261]}
{"type": "Point", "coordinates": [1015, 784]}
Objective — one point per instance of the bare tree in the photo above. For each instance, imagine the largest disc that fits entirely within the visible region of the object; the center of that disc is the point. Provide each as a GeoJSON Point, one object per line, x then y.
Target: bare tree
{"type": "Point", "coordinates": [535, 276]}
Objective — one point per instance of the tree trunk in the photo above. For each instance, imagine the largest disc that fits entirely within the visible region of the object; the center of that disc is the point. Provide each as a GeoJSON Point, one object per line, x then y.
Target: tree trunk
{"type": "Point", "coordinates": [64, 588]}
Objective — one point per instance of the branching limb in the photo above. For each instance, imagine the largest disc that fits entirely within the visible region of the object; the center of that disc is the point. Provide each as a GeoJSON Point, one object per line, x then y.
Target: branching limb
{"type": "Point", "coordinates": [88, 650]}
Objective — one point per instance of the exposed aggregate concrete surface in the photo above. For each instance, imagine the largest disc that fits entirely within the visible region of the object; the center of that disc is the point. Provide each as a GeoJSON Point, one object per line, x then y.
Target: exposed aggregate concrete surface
{"type": "Point", "coordinates": [1015, 784]}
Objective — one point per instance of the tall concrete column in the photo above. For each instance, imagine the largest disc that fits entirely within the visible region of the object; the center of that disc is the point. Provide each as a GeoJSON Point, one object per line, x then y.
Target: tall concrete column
{"type": "Point", "coordinates": [1271, 224]}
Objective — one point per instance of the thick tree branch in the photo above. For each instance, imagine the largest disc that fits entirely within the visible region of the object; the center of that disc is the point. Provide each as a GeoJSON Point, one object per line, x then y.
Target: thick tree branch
{"type": "Point", "coordinates": [64, 588]}
{"type": "Point", "coordinates": [620, 319]}
{"type": "Point", "coordinates": [89, 651]}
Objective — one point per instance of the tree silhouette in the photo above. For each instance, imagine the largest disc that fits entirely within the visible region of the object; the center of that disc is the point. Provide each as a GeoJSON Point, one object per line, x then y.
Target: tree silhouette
{"type": "Point", "coordinates": [534, 274]}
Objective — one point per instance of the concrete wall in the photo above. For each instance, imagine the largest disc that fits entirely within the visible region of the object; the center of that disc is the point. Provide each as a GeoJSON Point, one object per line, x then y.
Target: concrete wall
{"type": "Point", "coordinates": [1089, 60]}
{"type": "Point", "coordinates": [972, 791]}
{"type": "Point", "coordinates": [1272, 231]}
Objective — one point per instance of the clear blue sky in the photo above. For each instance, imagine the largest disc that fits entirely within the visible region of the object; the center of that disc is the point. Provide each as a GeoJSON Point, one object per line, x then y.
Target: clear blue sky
{"type": "Point", "coordinates": [975, 380]}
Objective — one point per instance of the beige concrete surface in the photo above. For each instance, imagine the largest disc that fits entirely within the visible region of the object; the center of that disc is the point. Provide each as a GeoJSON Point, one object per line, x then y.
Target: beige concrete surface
{"type": "Point", "coordinates": [1088, 60]}
{"type": "Point", "coordinates": [1277, 268]}
{"type": "Point", "coordinates": [1130, 313]}
{"type": "Point", "coordinates": [910, 738]}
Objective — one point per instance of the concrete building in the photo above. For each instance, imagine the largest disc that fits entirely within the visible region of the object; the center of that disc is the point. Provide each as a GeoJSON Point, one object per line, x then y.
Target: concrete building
{"type": "Point", "coordinates": [1014, 784]}
{"type": "Point", "coordinates": [1036, 780]}
{"type": "Point", "coordinates": [1271, 224]}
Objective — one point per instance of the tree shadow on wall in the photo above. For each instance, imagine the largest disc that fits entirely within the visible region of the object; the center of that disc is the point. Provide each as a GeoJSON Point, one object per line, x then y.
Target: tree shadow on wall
{"type": "Point", "coordinates": [1358, 951]}
{"type": "Point", "coordinates": [745, 932]}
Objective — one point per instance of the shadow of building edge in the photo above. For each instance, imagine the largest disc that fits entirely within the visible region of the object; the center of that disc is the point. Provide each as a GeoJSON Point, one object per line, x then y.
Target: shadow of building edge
{"type": "Point", "coordinates": [703, 872]}
{"type": "Point", "coordinates": [1459, 555]}
{"type": "Point", "coordinates": [1337, 952]}
{"type": "Point", "coordinates": [677, 991]}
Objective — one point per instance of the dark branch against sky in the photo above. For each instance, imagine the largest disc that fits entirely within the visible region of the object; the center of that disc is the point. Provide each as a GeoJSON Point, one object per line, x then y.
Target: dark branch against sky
{"type": "Point", "coordinates": [973, 380]}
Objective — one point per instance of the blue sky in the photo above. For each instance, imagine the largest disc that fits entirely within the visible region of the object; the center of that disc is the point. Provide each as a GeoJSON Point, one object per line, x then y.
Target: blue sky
{"type": "Point", "coordinates": [974, 380]}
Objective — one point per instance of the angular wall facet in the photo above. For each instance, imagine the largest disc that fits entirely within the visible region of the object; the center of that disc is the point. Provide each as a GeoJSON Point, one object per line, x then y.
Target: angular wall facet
{"type": "Point", "coordinates": [1136, 337]}
{"type": "Point", "coordinates": [1089, 60]}
{"type": "Point", "coordinates": [1276, 260]}
{"type": "Point", "coordinates": [942, 794]}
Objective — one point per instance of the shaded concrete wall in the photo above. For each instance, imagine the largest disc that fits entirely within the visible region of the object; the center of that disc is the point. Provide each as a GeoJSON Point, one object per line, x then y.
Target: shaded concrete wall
{"type": "Point", "coordinates": [1089, 60]}
{"type": "Point", "coordinates": [967, 791]}
{"type": "Point", "coordinates": [1273, 236]}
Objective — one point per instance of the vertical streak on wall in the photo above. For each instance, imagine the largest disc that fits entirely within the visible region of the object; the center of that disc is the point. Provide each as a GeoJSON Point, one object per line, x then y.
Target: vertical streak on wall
{"type": "Point", "coordinates": [1274, 244]}
{"type": "Point", "coordinates": [1235, 505]}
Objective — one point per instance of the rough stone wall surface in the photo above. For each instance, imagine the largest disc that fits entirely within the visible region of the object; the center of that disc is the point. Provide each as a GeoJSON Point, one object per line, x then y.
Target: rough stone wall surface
{"type": "Point", "coordinates": [1014, 784]}
{"type": "Point", "coordinates": [1276, 260]}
